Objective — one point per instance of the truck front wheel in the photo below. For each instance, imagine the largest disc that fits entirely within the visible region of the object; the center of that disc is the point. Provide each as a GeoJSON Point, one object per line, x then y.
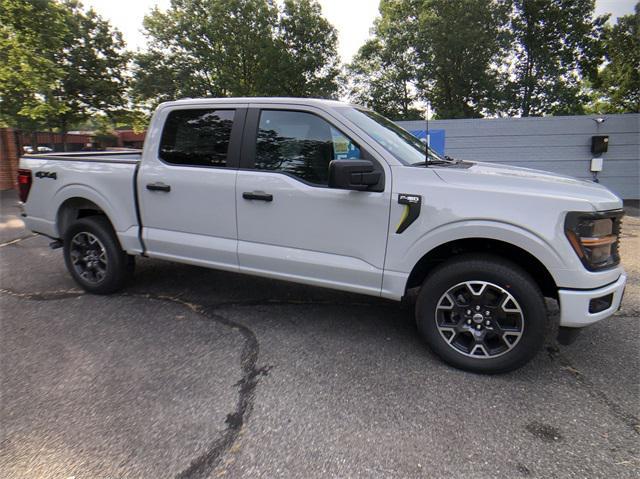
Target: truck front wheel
{"type": "Point", "coordinates": [93, 256]}
{"type": "Point", "coordinates": [482, 314]}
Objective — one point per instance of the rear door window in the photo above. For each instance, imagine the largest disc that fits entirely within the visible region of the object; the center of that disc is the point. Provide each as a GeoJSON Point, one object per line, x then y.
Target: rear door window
{"type": "Point", "coordinates": [198, 137]}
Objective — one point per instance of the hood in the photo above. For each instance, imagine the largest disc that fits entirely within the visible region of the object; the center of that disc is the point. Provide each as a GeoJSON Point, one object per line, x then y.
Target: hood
{"type": "Point", "coordinates": [526, 180]}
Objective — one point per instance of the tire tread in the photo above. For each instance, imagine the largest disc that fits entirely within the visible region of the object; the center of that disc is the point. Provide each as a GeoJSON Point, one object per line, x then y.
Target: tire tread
{"type": "Point", "coordinates": [493, 268]}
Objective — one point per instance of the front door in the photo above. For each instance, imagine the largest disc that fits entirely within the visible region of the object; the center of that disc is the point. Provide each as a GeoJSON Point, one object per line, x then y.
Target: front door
{"type": "Point", "coordinates": [187, 186]}
{"type": "Point", "coordinates": [291, 225]}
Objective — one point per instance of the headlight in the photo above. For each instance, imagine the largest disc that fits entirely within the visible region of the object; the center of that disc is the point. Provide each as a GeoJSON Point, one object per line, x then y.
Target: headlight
{"type": "Point", "coordinates": [594, 237]}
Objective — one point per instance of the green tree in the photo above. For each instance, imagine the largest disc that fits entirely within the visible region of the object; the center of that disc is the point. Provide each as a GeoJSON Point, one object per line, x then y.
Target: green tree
{"type": "Point", "coordinates": [556, 43]}
{"type": "Point", "coordinates": [307, 46]}
{"type": "Point", "coordinates": [618, 85]}
{"type": "Point", "coordinates": [382, 75]}
{"type": "Point", "coordinates": [236, 48]}
{"type": "Point", "coordinates": [440, 51]}
{"type": "Point", "coordinates": [375, 79]}
{"type": "Point", "coordinates": [27, 68]}
{"type": "Point", "coordinates": [59, 64]}
{"type": "Point", "coordinates": [205, 48]}
{"type": "Point", "coordinates": [459, 46]}
{"type": "Point", "coordinates": [94, 64]}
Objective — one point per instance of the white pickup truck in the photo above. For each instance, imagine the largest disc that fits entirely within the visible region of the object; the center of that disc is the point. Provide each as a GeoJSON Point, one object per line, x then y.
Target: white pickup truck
{"type": "Point", "coordinates": [335, 195]}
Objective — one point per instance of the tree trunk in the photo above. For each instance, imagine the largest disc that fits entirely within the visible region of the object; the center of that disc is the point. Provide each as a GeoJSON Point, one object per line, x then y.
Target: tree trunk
{"type": "Point", "coordinates": [405, 101]}
{"type": "Point", "coordinates": [63, 132]}
{"type": "Point", "coordinates": [525, 106]}
{"type": "Point", "coordinates": [526, 97]}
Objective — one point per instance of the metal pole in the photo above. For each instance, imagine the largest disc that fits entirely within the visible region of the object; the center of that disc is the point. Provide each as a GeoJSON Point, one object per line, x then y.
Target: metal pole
{"type": "Point", "coordinates": [426, 133]}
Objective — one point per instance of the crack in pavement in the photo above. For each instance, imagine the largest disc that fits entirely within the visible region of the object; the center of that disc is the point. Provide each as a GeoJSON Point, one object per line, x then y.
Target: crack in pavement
{"type": "Point", "coordinates": [616, 410]}
{"type": "Point", "coordinates": [46, 295]}
{"type": "Point", "coordinates": [289, 302]}
{"type": "Point", "coordinates": [17, 240]}
{"type": "Point", "coordinates": [203, 465]}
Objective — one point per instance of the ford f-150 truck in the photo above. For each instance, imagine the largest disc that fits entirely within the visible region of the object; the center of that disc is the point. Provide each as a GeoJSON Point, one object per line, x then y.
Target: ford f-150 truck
{"type": "Point", "coordinates": [334, 195]}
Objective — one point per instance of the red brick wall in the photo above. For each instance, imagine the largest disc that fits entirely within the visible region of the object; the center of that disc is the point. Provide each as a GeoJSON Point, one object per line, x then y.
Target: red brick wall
{"type": "Point", "coordinates": [54, 140]}
{"type": "Point", "coordinates": [8, 159]}
{"type": "Point", "coordinates": [129, 138]}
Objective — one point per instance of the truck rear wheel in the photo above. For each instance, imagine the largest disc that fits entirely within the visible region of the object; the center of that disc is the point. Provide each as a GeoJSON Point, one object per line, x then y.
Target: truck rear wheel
{"type": "Point", "coordinates": [482, 314]}
{"type": "Point", "coordinates": [93, 256]}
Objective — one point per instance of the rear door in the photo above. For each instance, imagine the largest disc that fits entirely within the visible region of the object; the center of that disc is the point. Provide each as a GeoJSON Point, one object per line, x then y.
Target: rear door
{"type": "Point", "coordinates": [186, 185]}
{"type": "Point", "coordinates": [291, 225]}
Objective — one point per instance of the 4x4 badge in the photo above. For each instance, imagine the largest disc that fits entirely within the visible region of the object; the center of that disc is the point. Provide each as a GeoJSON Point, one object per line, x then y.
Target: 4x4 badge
{"type": "Point", "coordinates": [47, 174]}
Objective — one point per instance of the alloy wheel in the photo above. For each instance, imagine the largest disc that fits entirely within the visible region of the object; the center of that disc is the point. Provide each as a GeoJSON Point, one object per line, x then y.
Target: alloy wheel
{"type": "Point", "coordinates": [479, 319]}
{"type": "Point", "coordinates": [89, 257]}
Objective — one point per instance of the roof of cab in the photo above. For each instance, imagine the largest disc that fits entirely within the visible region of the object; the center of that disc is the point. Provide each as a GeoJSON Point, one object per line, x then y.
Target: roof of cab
{"type": "Point", "coordinates": [256, 99]}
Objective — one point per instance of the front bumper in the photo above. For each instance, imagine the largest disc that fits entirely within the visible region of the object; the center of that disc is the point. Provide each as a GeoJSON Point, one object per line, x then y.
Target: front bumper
{"type": "Point", "coordinates": [574, 305]}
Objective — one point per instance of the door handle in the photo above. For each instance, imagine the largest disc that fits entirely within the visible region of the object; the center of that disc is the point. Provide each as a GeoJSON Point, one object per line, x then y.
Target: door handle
{"type": "Point", "coordinates": [159, 186]}
{"type": "Point", "coordinates": [257, 195]}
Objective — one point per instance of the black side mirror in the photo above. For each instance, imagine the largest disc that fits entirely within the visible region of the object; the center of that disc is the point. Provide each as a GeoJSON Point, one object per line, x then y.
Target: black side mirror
{"type": "Point", "coordinates": [353, 174]}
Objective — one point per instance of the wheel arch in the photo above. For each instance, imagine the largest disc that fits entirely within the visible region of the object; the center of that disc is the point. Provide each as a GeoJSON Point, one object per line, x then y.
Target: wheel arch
{"type": "Point", "coordinates": [74, 208]}
{"type": "Point", "coordinates": [84, 200]}
{"type": "Point", "coordinates": [503, 249]}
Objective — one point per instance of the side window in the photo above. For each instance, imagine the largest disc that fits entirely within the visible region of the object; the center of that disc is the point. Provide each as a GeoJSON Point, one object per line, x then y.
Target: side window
{"type": "Point", "coordinates": [301, 144]}
{"type": "Point", "coordinates": [196, 137]}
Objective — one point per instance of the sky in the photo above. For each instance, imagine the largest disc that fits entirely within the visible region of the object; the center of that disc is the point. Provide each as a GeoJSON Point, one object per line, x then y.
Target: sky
{"type": "Point", "coordinates": [352, 18]}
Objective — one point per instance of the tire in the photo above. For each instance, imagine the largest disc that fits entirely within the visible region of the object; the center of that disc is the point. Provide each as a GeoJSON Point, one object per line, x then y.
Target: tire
{"type": "Point", "coordinates": [94, 257]}
{"type": "Point", "coordinates": [481, 313]}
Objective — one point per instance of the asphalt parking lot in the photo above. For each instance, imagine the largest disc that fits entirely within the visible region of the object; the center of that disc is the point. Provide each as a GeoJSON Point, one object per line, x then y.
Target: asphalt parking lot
{"type": "Point", "coordinates": [195, 373]}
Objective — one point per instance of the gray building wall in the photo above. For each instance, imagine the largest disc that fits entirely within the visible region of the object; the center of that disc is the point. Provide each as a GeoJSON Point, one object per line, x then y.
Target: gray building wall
{"type": "Point", "coordinates": [560, 144]}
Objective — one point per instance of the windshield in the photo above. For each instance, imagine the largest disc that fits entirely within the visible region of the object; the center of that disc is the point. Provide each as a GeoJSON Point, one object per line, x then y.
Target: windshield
{"type": "Point", "coordinates": [408, 149]}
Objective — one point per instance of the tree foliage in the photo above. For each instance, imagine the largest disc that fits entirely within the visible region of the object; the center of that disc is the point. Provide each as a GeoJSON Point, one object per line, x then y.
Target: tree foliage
{"type": "Point", "coordinates": [381, 82]}
{"type": "Point", "coordinates": [237, 48]}
{"type": "Point", "coordinates": [26, 71]}
{"type": "Point", "coordinates": [434, 50]}
{"type": "Point", "coordinates": [307, 48]}
{"type": "Point", "coordinates": [618, 85]}
{"type": "Point", "coordinates": [472, 58]}
{"type": "Point", "coordinates": [59, 64]}
{"type": "Point", "coordinates": [459, 46]}
{"type": "Point", "coordinates": [556, 43]}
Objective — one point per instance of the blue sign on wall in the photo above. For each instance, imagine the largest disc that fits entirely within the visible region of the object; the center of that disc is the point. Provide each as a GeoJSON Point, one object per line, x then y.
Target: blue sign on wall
{"type": "Point", "coordinates": [436, 139]}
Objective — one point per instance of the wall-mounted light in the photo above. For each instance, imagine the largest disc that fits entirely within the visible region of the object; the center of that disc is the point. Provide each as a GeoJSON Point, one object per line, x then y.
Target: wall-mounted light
{"type": "Point", "coordinates": [599, 144]}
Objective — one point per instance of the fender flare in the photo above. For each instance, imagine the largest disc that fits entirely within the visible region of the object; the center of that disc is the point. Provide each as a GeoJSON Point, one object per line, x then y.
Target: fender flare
{"type": "Point", "coordinates": [485, 229]}
{"type": "Point", "coordinates": [75, 190]}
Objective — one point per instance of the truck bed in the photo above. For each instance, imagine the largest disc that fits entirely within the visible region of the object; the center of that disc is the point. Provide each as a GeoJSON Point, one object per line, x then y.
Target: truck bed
{"type": "Point", "coordinates": [125, 156]}
{"type": "Point", "coordinates": [106, 179]}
